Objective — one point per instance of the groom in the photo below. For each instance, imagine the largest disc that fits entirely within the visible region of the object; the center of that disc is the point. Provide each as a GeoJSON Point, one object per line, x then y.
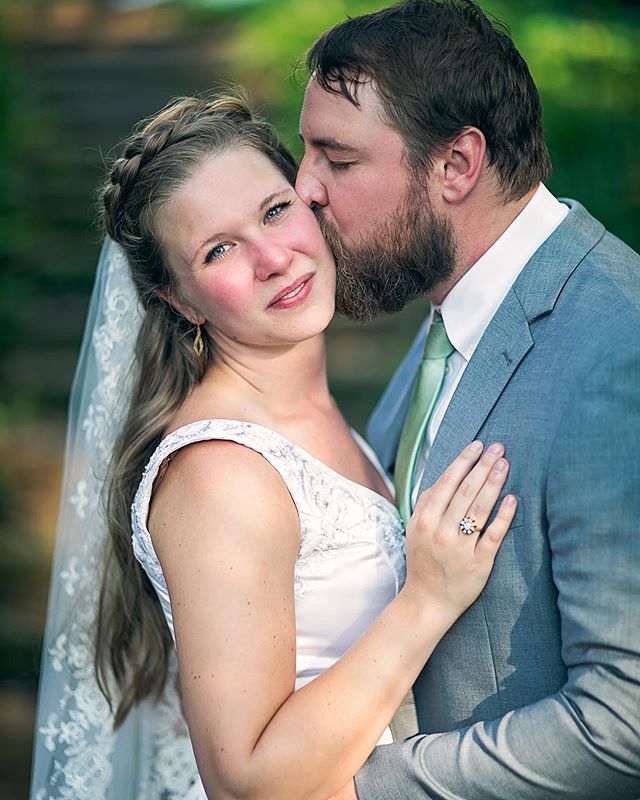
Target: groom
{"type": "Point", "coordinates": [425, 160]}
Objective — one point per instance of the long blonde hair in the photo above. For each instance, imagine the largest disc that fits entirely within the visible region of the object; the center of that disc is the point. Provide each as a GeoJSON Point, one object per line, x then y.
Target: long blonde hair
{"type": "Point", "coordinates": [133, 642]}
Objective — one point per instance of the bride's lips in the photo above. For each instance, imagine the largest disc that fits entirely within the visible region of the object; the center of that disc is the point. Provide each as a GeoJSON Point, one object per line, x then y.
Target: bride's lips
{"type": "Point", "coordinates": [294, 294]}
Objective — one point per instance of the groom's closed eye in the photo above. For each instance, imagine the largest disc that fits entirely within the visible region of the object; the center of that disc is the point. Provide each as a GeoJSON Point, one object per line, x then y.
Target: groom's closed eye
{"type": "Point", "coordinates": [339, 165]}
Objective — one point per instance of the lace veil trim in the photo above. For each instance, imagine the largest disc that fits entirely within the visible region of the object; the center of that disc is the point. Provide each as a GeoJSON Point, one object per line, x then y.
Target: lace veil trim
{"type": "Point", "coordinates": [76, 753]}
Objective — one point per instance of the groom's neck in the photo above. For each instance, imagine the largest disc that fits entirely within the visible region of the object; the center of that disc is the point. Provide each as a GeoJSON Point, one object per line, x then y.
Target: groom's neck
{"type": "Point", "coordinates": [477, 225]}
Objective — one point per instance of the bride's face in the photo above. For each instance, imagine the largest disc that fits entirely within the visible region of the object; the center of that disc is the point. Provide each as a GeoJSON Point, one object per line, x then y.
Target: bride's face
{"type": "Point", "coordinates": [248, 253]}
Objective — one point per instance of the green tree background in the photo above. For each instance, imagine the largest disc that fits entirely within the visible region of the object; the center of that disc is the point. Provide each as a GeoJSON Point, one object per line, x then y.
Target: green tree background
{"type": "Point", "coordinates": [74, 76]}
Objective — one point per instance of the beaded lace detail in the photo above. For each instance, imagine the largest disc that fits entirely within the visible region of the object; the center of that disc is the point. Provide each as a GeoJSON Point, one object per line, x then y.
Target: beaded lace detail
{"type": "Point", "coordinates": [331, 507]}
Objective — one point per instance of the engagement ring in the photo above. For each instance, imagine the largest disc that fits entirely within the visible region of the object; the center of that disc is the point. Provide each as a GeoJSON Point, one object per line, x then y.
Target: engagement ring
{"type": "Point", "coordinates": [468, 526]}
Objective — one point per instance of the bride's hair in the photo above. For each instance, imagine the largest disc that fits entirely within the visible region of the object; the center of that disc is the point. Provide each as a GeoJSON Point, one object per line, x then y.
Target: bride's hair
{"type": "Point", "coordinates": [133, 642]}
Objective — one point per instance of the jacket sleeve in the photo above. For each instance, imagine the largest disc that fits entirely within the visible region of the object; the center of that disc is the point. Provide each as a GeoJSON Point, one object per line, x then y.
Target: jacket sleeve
{"type": "Point", "coordinates": [584, 741]}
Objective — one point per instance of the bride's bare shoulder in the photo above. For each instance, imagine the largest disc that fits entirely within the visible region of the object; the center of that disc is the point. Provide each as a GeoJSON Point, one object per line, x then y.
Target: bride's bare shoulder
{"type": "Point", "coordinates": [221, 485]}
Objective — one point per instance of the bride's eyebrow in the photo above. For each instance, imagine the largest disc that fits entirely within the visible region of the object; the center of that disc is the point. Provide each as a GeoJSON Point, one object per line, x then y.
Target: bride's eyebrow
{"type": "Point", "coordinates": [270, 198]}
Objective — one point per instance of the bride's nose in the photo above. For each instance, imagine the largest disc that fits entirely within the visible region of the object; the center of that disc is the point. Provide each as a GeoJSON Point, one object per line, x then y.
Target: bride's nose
{"type": "Point", "coordinates": [271, 258]}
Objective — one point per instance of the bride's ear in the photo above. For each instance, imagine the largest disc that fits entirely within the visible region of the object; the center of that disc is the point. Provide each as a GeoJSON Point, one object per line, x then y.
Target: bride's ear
{"type": "Point", "coordinates": [187, 311]}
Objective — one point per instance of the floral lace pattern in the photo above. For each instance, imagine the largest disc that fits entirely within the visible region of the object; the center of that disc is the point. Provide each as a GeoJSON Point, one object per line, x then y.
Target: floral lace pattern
{"type": "Point", "coordinates": [350, 561]}
{"type": "Point", "coordinates": [75, 743]}
{"type": "Point", "coordinates": [332, 508]}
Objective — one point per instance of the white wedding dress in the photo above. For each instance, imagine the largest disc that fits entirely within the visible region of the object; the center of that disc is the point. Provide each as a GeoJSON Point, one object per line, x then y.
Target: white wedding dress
{"type": "Point", "coordinates": [351, 561]}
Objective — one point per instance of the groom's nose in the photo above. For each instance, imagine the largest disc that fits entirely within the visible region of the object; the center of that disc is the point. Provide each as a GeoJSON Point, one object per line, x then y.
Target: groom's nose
{"type": "Point", "coordinates": [309, 186]}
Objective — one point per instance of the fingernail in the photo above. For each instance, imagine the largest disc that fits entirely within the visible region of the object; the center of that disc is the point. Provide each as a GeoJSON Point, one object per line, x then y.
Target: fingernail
{"type": "Point", "coordinates": [500, 465]}
{"type": "Point", "coordinates": [475, 447]}
{"type": "Point", "coordinates": [510, 501]}
{"type": "Point", "coordinates": [495, 449]}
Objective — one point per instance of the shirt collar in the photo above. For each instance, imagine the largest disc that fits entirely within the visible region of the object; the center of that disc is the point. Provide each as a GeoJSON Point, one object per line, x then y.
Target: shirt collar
{"type": "Point", "coordinates": [471, 304]}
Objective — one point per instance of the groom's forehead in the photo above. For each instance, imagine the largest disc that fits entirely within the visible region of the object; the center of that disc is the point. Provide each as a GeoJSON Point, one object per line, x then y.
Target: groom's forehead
{"type": "Point", "coordinates": [328, 116]}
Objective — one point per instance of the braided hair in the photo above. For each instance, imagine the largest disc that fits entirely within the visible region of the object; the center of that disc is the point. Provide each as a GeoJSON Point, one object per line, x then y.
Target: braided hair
{"type": "Point", "coordinates": [133, 642]}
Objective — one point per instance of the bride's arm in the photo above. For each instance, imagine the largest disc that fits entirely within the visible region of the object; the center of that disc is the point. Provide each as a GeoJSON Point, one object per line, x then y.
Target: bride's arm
{"type": "Point", "coordinates": [227, 534]}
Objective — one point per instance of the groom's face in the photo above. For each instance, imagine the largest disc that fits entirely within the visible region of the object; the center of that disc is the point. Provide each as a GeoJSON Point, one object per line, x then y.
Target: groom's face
{"type": "Point", "coordinates": [354, 170]}
{"type": "Point", "coordinates": [390, 245]}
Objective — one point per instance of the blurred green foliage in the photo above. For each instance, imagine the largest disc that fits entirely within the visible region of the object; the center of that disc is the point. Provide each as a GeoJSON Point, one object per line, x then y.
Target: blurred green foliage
{"type": "Point", "coordinates": [9, 135]}
{"type": "Point", "coordinates": [267, 50]}
{"type": "Point", "coordinates": [585, 59]}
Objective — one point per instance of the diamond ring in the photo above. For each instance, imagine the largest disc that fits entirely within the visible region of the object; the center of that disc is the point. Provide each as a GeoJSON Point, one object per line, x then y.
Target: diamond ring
{"type": "Point", "coordinates": [468, 526]}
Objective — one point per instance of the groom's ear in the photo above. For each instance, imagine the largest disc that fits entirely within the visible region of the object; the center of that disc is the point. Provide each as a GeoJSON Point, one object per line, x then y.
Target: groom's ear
{"type": "Point", "coordinates": [462, 163]}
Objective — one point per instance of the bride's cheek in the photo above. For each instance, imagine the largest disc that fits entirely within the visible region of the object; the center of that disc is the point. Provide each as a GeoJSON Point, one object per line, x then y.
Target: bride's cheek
{"type": "Point", "coordinates": [227, 293]}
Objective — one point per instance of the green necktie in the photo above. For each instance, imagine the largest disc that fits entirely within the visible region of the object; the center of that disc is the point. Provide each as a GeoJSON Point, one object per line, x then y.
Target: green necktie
{"type": "Point", "coordinates": [437, 350]}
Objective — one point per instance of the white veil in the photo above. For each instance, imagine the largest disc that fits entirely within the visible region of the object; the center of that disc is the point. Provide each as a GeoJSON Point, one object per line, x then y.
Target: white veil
{"type": "Point", "coordinates": [76, 753]}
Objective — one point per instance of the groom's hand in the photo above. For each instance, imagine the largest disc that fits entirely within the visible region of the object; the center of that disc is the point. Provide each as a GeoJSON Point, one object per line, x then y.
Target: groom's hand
{"type": "Point", "coordinates": [348, 792]}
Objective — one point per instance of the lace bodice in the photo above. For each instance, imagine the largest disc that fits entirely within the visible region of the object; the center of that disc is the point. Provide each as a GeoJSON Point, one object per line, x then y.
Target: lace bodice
{"type": "Point", "coordinates": [351, 558]}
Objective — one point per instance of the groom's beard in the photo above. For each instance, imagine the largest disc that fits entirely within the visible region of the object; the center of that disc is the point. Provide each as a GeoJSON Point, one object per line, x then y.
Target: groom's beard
{"type": "Point", "coordinates": [407, 256]}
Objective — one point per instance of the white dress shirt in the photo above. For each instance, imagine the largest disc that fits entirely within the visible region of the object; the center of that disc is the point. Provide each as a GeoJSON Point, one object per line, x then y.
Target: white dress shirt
{"type": "Point", "coordinates": [470, 306]}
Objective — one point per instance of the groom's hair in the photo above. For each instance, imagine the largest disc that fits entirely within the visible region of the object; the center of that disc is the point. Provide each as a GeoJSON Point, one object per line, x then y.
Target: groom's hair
{"type": "Point", "coordinates": [439, 66]}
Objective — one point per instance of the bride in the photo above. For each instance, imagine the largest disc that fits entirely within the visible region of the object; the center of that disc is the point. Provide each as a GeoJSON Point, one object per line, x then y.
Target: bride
{"type": "Point", "coordinates": [253, 581]}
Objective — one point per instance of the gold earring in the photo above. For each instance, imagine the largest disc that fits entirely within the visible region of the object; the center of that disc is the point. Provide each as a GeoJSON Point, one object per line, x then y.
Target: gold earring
{"type": "Point", "coordinates": [198, 344]}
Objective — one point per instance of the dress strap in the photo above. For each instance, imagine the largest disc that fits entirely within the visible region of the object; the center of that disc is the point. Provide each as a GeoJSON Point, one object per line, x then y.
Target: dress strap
{"type": "Point", "coordinates": [275, 448]}
{"type": "Point", "coordinates": [268, 443]}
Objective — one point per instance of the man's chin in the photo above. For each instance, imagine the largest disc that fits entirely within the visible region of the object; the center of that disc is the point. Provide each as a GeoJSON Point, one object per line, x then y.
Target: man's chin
{"type": "Point", "coordinates": [363, 297]}
{"type": "Point", "coordinates": [408, 255]}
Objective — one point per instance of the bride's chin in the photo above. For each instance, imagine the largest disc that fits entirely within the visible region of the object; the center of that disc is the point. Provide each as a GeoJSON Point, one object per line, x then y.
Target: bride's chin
{"type": "Point", "coordinates": [326, 317]}
{"type": "Point", "coordinates": [313, 323]}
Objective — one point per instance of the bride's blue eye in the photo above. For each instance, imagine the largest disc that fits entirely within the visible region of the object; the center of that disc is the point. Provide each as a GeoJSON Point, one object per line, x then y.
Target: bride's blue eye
{"type": "Point", "coordinates": [276, 211]}
{"type": "Point", "coordinates": [219, 251]}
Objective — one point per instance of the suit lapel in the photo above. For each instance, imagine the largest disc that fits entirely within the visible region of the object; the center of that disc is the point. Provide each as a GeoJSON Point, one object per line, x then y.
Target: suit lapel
{"type": "Point", "coordinates": [508, 338]}
{"type": "Point", "coordinates": [505, 343]}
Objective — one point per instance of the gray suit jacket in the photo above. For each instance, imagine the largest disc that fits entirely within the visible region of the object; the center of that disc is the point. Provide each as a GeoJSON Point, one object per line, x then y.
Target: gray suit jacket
{"type": "Point", "coordinates": [535, 691]}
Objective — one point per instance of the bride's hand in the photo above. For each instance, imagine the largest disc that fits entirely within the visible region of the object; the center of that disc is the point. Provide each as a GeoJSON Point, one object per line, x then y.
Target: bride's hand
{"type": "Point", "coordinates": [446, 568]}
